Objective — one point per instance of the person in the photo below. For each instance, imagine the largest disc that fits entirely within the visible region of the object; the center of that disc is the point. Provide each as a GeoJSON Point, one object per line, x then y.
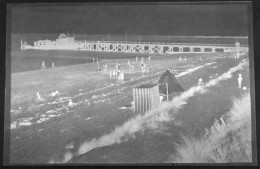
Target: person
{"type": "Point", "coordinates": [39, 98]}
{"type": "Point", "coordinates": [143, 69]}
{"type": "Point", "coordinates": [43, 65]}
{"type": "Point", "coordinates": [200, 82]}
{"type": "Point", "coordinates": [122, 76]}
{"type": "Point", "coordinates": [133, 104]}
{"type": "Point", "coordinates": [52, 65]}
{"type": "Point", "coordinates": [180, 59]}
{"type": "Point", "coordinates": [161, 98]}
{"type": "Point", "coordinates": [70, 103]}
{"type": "Point", "coordinates": [239, 80]}
{"type": "Point", "coordinates": [114, 73]}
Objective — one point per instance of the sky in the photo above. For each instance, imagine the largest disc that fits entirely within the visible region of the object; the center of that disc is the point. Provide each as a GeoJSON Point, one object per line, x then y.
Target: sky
{"type": "Point", "coordinates": [131, 19]}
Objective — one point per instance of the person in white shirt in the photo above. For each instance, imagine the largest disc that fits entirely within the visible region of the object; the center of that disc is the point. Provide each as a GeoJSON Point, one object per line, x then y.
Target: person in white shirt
{"type": "Point", "coordinates": [239, 80]}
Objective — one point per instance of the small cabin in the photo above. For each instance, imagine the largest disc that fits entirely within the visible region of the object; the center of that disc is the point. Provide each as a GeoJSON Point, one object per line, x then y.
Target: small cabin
{"type": "Point", "coordinates": [146, 97]}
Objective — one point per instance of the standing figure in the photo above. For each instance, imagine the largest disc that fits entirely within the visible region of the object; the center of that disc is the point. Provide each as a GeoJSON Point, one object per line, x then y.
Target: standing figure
{"type": "Point", "coordinates": [114, 73]}
{"type": "Point", "coordinates": [185, 59]}
{"type": "Point", "coordinates": [133, 66]}
{"type": "Point", "coordinates": [118, 69]}
{"type": "Point", "coordinates": [122, 76]}
{"type": "Point", "coordinates": [239, 80]}
{"type": "Point", "coordinates": [142, 60]}
{"type": "Point", "coordinates": [43, 65]}
{"type": "Point", "coordinates": [70, 103]}
{"type": "Point", "coordinates": [149, 58]}
{"type": "Point", "coordinates": [136, 59]}
{"type": "Point", "coordinates": [52, 65]}
{"type": "Point", "coordinates": [180, 59]}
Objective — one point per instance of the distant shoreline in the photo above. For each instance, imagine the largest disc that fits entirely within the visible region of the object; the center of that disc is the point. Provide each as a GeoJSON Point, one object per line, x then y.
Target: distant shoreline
{"type": "Point", "coordinates": [82, 35]}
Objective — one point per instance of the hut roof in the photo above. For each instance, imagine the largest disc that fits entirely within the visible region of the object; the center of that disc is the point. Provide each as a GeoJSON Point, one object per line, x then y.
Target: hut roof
{"type": "Point", "coordinates": [173, 84]}
{"type": "Point", "coordinates": [146, 86]}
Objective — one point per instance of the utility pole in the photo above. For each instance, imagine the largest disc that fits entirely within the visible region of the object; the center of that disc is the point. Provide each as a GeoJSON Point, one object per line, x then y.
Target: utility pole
{"type": "Point", "coordinates": [167, 91]}
{"type": "Point", "coordinates": [97, 65]}
{"type": "Point", "coordinates": [126, 35]}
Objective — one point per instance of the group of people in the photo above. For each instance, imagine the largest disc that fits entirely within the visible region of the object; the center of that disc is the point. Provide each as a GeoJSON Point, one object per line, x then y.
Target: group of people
{"type": "Point", "coordinates": [184, 60]}
{"type": "Point", "coordinates": [105, 67]}
{"type": "Point", "coordinates": [130, 65]}
{"type": "Point", "coordinates": [117, 73]}
{"type": "Point", "coordinates": [44, 66]}
{"type": "Point", "coordinates": [237, 55]}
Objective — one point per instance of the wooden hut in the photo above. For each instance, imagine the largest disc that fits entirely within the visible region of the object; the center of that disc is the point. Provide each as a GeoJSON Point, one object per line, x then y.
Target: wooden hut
{"type": "Point", "coordinates": [146, 97]}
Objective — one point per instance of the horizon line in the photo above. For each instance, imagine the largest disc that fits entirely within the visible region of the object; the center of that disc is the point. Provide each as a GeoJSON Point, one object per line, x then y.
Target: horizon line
{"type": "Point", "coordinates": [197, 36]}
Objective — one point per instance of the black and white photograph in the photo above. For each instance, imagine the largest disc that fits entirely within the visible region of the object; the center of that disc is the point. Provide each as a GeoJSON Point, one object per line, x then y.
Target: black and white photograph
{"type": "Point", "coordinates": [130, 83]}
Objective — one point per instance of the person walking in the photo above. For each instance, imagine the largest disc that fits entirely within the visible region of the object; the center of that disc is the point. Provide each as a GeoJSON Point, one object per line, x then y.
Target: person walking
{"type": "Point", "coordinates": [239, 80]}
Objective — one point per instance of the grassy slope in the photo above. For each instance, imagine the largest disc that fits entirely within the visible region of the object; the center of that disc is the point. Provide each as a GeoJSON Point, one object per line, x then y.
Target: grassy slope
{"type": "Point", "coordinates": [226, 142]}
